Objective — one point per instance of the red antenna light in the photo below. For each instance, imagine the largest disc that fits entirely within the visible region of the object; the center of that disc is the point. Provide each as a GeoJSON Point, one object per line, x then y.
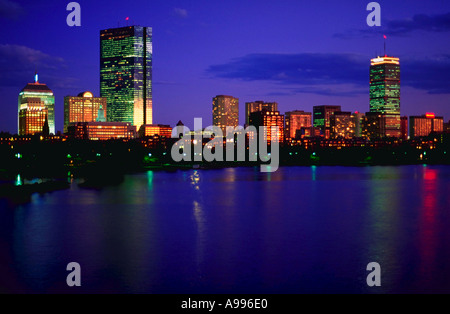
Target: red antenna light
{"type": "Point", "coordinates": [127, 18]}
{"type": "Point", "coordinates": [385, 37]}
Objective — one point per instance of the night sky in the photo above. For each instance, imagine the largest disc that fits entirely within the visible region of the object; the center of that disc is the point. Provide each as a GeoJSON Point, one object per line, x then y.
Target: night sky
{"type": "Point", "coordinates": [297, 53]}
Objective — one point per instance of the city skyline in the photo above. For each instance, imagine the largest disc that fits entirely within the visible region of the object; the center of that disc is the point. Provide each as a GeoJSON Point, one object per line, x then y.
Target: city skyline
{"type": "Point", "coordinates": [432, 98]}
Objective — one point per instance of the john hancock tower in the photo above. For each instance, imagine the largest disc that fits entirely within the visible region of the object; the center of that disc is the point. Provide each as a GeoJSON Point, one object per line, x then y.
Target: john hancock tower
{"type": "Point", "coordinates": [126, 74]}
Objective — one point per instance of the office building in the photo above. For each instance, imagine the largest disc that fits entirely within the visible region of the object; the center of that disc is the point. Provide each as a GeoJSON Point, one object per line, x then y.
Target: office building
{"type": "Point", "coordinates": [358, 121]}
{"type": "Point", "coordinates": [256, 106]}
{"type": "Point", "coordinates": [83, 108]}
{"type": "Point", "coordinates": [101, 131]}
{"type": "Point", "coordinates": [33, 117]}
{"type": "Point", "coordinates": [155, 130]}
{"type": "Point", "coordinates": [225, 112]}
{"type": "Point", "coordinates": [321, 118]}
{"type": "Point", "coordinates": [404, 128]}
{"type": "Point", "coordinates": [41, 94]}
{"type": "Point", "coordinates": [374, 126]}
{"type": "Point", "coordinates": [342, 125]}
{"type": "Point", "coordinates": [421, 126]}
{"type": "Point", "coordinates": [385, 93]}
{"type": "Point", "coordinates": [268, 119]}
{"type": "Point", "coordinates": [297, 124]}
{"type": "Point", "coordinates": [126, 74]}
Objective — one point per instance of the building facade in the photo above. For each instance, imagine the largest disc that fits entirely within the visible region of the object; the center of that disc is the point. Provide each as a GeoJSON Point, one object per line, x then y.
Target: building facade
{"type": "Point", "coordinates": [421, 126]}
{"type": "Point", "coordinates": [126, 74]}
{"type": "Point", "coordinates": [32, 117]}
{"type": "Point", "coordinates": [342, 125]}
{"type": "Point", "coordinates": [83, 108]}
{"type": "Point", "coordinates": [40, 94]}
{"type": "Point", "coordinates": [374, 126]}
{"type": "Point", "coordinates": [256, 106]}
{"type": "Point", "coordinates": [385, 92]}
{"type": "Point", "coordinates": [297, 124]}
{"type": "Point", "coordinates": [358, 120]}
{"type": "Point", "coordinates": [268, 119]}
{"type": "Point", "coordinates": [225, 112]}
{"type": "Point", "coordinates": [102, 131]}
{"type": "Point", "coordinates": [155, 130]}
{"type": "Point", "coordinates": [321, 118]}
{"type": "Point", "coordinates": [404, 128]}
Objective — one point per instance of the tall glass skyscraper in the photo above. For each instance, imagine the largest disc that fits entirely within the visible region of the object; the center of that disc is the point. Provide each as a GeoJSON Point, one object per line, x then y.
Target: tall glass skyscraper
{"type": "Point", "coordinates": [385, 92]}
{"type": "Point", "coordinates": [36, 95]}
{"type": "Point", "coordinates": [126, 74]}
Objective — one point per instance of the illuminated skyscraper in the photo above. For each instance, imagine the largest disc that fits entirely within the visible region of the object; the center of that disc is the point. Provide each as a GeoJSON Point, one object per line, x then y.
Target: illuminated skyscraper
{"type": "Point", "coordinates": [322, 115]}
{"type": "Point", "coordinates": [296, 122]}
{"type": "Point", "coordinates": [37, 94]}
{"type": "Point", "coordinates": [385, 92]}
{"type": "Point", "coordinates": [126, 74]}
{"type": "Point", "coordinates": [225, 112]}
{"type": "Point", "coordinates": [83, 108]}
{"type": "Point", "coordinates": [256, 106]}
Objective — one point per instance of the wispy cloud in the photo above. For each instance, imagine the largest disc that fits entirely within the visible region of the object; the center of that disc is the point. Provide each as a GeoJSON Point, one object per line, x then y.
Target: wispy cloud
{"type": "Point", "coordinates": [18, 63]}
{"type": "Point", "coordinates": [439, 23]}
{"type": "Point", "coordinates": [330, 74]}
{"type": "Point", "coordinates": [10, 9]}
{"type": "Point", "coordinates": [182, 13]}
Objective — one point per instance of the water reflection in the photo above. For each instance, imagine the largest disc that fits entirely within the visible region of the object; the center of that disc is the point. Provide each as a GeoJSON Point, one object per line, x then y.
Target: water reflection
{"type": "Point", "coordinates": [234, 231]}
{"type": "Point", "coordinates": [428, 229]}
{"type": "Point", "coordinates": [383, 223]}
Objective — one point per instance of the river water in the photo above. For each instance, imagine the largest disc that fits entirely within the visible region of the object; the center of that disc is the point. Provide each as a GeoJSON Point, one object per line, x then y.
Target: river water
{"type": "Point", "coordinates": [236, 230]}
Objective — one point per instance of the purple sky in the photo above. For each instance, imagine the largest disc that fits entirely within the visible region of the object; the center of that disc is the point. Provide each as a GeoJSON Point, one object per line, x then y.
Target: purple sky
{"type": "Point", "coordinates": [298, 53]}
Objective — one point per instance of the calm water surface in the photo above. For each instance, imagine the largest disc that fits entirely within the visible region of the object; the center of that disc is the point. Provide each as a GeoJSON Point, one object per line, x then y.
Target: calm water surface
{"type": "Point", "coordinates": [299, 230]}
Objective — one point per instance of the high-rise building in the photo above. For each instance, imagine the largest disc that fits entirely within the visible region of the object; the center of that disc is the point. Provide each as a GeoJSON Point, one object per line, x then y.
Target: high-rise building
{"type": "Point", "coordinates": [32, 117]}
{"type": "Point", "coordinates": [126, 74]}
{"type": "Point", "coordinates": [342, 125]}
{"type": "Point", "coordinates": [41, 95]}
{"type": "Point", "coordinates": [256, 106]}
{"type": "Point", "coordinates": [268, 119]}
{"type": "Point", "coordinates": [421, 126]}
{"type": "Point", "coordinates": [297, 122]}
{"type": "Point", "coordinates": [225, 112]}
{"type": "Point", "coordinates": [322, 115]}
{"type": "Point", "coordinates": [385, 92]}
{"type": "Point", "coordinates": [404, 128]}
{"type": "Point", "coordinates": [82, 108]}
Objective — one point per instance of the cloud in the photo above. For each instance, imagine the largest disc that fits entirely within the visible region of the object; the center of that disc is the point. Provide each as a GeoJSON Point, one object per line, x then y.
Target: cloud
{"type": "Point", "coordinates": [303, 70]}
{"type": "Point", "coordinates": [10, 9]}
{"type": "Point", "coordinates": [438, 23]}
{"type": "Point", "coordinates": [182, 13]}
{"type": "Point", "coordinates": [330, 74]}
{"type": "Point", "coordinates": [430, 74]}
{"type": "Point", "coordinates": [18, 63]}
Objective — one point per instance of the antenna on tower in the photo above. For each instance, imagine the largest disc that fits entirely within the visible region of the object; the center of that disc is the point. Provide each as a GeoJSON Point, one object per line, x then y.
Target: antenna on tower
{"type": "Point", "coordinates": [385, 37]}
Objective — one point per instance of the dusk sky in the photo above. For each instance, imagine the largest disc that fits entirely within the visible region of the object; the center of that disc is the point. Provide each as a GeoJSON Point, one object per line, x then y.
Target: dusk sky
{"type": "Point", "coordinates": [297, 53]}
